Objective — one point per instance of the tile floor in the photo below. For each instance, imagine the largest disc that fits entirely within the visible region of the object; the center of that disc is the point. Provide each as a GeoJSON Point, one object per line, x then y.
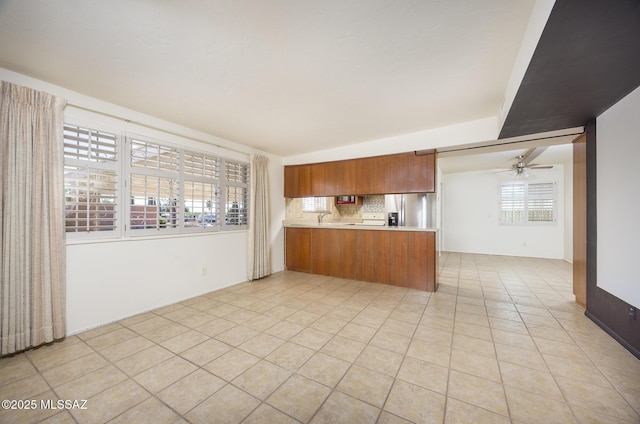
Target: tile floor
{"type": "Point", "coordinates": [501, 341]}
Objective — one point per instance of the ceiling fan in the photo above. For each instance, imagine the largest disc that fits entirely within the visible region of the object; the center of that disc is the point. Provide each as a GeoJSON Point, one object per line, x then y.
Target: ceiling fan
{"type": "Point", "coordinates": [523, 164]}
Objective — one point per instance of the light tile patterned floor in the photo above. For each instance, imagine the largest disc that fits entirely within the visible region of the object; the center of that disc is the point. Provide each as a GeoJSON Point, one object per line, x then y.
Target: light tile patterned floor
{"type": "Point", "coordinates": [501, 341]}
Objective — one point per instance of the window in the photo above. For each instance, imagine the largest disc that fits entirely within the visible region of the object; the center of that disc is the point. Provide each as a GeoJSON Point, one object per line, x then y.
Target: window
{"type": "Point", "coordinates": [154, 188]}
{"type": "Point", "coordinates": [526, 203]}
{"type": "Point", "coordinates": [90, 180]}
{"type": "Point", "coordinates": [236, 193]}
{"type": "Point", "coordinates": [201, 176]}
{"type": "Point", "coordinates": [316, 204]}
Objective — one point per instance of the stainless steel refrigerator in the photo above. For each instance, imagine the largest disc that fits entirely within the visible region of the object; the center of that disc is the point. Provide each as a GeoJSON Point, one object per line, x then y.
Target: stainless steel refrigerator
{"type": "Point", "coordinates": [414, 210]}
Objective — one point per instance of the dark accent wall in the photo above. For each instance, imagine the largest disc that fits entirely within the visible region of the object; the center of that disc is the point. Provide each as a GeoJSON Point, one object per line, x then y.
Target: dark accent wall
{"type": "Point", "coordinates": [605, 309]}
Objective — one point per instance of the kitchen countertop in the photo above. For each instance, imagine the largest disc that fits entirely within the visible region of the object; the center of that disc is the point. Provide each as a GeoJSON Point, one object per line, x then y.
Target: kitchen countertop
{"type": "Point", "coordinates": [351, 226]}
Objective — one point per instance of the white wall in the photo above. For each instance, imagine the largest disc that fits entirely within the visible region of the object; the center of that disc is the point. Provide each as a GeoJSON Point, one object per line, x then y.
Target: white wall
{"type": "Point", "coordinates": [110, 280]}
{"type": "Point", "coordinates": [618, 203]}
{"type": "Point", "coordinates": [482, 130]}
{"type": "Point", "coordinates": [470, 218]}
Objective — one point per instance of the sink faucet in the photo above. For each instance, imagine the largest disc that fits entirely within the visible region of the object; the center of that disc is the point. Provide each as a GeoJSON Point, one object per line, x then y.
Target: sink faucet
{"type": "Point", "coordinates": [322, 215]}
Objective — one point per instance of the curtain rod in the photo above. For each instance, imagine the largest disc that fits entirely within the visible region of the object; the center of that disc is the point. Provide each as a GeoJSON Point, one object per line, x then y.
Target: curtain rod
{"type": "Point", "coordinates": [129, 121]}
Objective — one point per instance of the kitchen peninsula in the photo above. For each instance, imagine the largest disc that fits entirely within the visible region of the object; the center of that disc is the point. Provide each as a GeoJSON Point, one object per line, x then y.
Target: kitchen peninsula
{"type": "Point", "coordinates": [398, 256]}
{"type": "Point", "coordinates": [345, 248]}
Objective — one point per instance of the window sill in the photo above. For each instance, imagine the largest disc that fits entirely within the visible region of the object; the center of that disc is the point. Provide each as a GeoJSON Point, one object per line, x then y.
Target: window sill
{"type": "Point", "coordinates": [149, 237]}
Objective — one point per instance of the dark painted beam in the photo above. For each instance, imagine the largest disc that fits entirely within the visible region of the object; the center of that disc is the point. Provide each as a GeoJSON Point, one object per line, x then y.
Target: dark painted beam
{"type": "Point", "coordinates": [587, 59]}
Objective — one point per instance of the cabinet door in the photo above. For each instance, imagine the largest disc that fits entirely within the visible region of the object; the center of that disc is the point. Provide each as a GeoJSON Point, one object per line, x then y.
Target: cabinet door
{"type": "Point", "coordinates": [347, 176]}
{"type": "Point", "coordinates": [332, 181]}
{"type": "Point", "coordinates": [347, 251]}
{"type": "Point", "coordinates": [382, 257]}
{"type": "Point", "coordinates": [298, 249]}
{"type": "Point", "coordinates": [390, 174]}
{"type": "Point", "coordinates": [365, 255]}
{"type": "Point", "coordinates": [397, 176]}
{"type": "Point", "coordinates": [297, 181]}
{"type": "Point", "coordinates": [421, 260]}
{"type": "Point", "coordinates": [317, 172]}
{"type": "Point", "coordinates": [421, 173]}
{"type": "Point", "coordinates": [366, 176]}
{"type": "Point", "coordinates": [325, 245]}
{"type": "Point", "coordinates": [398, 258]}
{"type": "Point", "coordinates": [339, 178]}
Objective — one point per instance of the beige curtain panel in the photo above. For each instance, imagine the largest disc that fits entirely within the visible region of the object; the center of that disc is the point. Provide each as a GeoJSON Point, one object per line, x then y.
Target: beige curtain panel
{"type": "Point", "coordinates": [32, 260]}
{"type": "Point", "coordinates": [259, 265]}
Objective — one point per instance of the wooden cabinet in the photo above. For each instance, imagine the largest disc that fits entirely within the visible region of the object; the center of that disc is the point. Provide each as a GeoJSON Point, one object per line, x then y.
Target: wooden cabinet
{"type": "Point", "coordinates": [420, 173]}
{"type": "Point", "coordinates": [297, 180]}
{"type": "Point", "coordinates": [317, 179]}
{"type": "Point", "coordinates": [397, 177]}
{"type": "Point", "coordinates": [580, 220]}
{"type": "Point", "coordinates": [366, 180]}
{"type": "Point", "coordinates": [340, 178]}
{"type": "Point", "coordinates": [401, 173]}
{"type": "Point", "coordinates": [333, 252]}
{"type": "Point", "coordinates": [400, 258]}
{"type": "Point", "coordinates": [333, 178]}
{"type": "Point", "coordinates": [298, 249]}
{"type": "Point", "coordinates": [365, 255]}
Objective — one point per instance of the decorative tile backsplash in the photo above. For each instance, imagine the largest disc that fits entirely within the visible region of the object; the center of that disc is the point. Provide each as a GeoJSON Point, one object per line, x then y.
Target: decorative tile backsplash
{"type": "Point", "coordinates": [373, 204]}
{"type": "Point", "coordinates": [370, 204]}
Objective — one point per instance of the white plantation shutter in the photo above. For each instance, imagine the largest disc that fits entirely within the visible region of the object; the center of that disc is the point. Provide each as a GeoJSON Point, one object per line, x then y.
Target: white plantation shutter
{"type": "Point", "coordinates": [236, 194]}
{"type": "Point", "coordinates": [541, 202]}
{"type": "Point", "coordinates": [522, 203]}
{"type": "Point", "coordinates": [512, 203]}
{"type": "Point", "coordinates": [153, 187]}
{"type": "Point", "coordinates": [90, 181]}
{"type": "Point", "coordinates": [201, 192]}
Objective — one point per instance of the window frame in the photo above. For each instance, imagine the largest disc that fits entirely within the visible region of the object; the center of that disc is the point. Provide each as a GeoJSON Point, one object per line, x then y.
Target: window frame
{"type": "Point", "coordinates": [316, 204]}
{"type": "Point", "coordinates": [166, 175]}
{"type": "Point", "coordinates": [224, 185]}
{"type": "Point", "coordinates": [87, 164]}
{"type": "Point", "coordinates": [124, 173]}
{"type": "Point", "coordinates": [526, 221]}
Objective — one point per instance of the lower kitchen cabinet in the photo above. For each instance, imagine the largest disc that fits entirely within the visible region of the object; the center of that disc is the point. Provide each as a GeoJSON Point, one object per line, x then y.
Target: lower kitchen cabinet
{"type": "Point", "coordinates": [298, 249]}
{"type": "Point", "coordinates": [332, 252]}
{"type": "Point", "coordinates": [399, 258]}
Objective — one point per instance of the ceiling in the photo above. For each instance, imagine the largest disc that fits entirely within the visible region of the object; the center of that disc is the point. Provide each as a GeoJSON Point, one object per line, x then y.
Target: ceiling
{"type": "Point", "coordinates": [287, 77]}
{"type": "Point", "coordinates": [503, 157]}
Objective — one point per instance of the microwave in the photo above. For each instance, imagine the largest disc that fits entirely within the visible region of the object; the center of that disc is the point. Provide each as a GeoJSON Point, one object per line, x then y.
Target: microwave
{"type": "Point", "coordinates": [346, 200]}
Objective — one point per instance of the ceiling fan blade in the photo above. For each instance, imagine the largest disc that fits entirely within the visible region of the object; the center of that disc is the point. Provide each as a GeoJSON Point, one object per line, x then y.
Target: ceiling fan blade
{"type": "Point", "coordinates": [532, 154]}
{"type": "Point", "coordinates": [540, 167]}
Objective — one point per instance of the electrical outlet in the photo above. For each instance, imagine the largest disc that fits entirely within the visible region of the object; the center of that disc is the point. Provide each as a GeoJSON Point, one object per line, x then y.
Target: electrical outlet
{"type": "Point", "coordinates": [203, 271]}
{"type": "Point", "coordinates": [632, 312]}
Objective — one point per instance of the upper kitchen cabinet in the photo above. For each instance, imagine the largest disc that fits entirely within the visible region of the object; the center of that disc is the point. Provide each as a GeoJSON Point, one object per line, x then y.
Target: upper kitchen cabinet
{"type": "Point", "coordinates": [421, 173]}
{"type": "Point", "coordinates": [366, 180]}
{"type": "Point", "coordinates": [340, 178]}
{"type": "Point", "coordinates": [297, 180]}
{"type": "Point", "coordinates": [324, 179]}
{"type": "Point", "coordinates": [318, 176]}
{"type": "Point", "coordinates": [402, 173]}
